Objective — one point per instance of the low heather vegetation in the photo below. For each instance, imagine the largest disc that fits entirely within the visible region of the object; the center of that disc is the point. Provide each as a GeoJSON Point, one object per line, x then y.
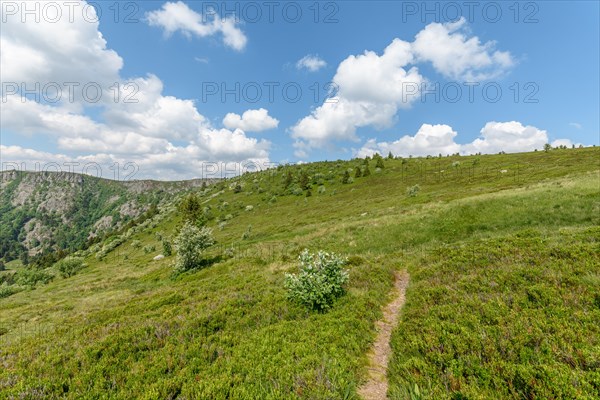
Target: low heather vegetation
{"type": "Point", "coordinates": [503, 300]}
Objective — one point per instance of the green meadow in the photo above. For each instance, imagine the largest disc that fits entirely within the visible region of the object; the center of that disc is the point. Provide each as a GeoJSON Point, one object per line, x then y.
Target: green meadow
{"type": "Point", "coordinates": [503, 253]}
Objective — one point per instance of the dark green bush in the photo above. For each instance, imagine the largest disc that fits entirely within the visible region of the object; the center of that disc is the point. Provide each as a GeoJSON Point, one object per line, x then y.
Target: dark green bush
{"type": "Point", "coordinates": [167, 248]}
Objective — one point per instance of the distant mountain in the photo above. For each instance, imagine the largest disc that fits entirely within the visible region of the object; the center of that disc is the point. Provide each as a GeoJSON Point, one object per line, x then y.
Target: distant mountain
{"type": "Point", "coordinates": [49, 212]}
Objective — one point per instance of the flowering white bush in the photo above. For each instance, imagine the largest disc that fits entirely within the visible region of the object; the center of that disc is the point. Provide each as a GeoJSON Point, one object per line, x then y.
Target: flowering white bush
{"type": "Point", "coordinates": [413, 190]}
{"type": "Point", "coordinates": [320, 281]}
{"type": "Point", "coordinates": [190, 244]}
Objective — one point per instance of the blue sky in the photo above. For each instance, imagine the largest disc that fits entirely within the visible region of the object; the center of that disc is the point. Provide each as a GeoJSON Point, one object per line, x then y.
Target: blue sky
{"type": "Point", "coordinates": [544, 57]}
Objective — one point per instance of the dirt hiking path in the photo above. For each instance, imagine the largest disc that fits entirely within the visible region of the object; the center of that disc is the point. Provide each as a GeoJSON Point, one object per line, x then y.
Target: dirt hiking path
{"type": "Point", "coordinates": [377, 385]}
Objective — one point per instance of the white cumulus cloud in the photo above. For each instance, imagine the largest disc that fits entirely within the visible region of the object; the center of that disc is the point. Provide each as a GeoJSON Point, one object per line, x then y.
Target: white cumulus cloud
{"type": "Point", "coordinates": [510, 137]}
{"type": "Point", "coordinates": [457, 56]}
{"type": "Point", "coordinates": [167, 137]}
{"type": "Point", "coordinates": [312, 63]}
{"type": "Point", "coordinates": [177, 16]}
{"type": "Point", "coordinates": [372, 87]}
{"type": "Point", "coordinates": [251, 121]}
{"type": "Point", "coordinates": [429, 140]}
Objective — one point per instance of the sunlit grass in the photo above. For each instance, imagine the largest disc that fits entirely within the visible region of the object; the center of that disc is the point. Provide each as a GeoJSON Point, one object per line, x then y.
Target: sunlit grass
{"type": "Point", "coordinates": [127, 327]}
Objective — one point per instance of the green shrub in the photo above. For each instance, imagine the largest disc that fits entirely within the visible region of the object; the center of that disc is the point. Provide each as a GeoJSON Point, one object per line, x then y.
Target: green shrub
{"type": "Point", "coordinates": [149, 249]}
{"type": "Point", "coordinates": [320, 281]}
{"type": "Point", "coordinates": [30, 277]}
{"type": "Point", "coordinates": [413, 190]}
{"type": "Point", "coordinates": [167, 248]}
{"type": "Point", "coordinates": [6, 290]}
{"type": "Point", "coordinates": [248, 233]}
{"type": "Point", "coordinates": [8, 278]}
{"type": "Point", "coordinates": [70, 266]}
{"type": "Point", "coordinates": [229, 252]}
{"type": "Point", "coordinates": [190, 244]}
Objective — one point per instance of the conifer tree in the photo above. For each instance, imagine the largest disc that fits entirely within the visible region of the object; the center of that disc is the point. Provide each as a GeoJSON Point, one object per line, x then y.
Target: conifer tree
{"type": "Point", "coordinates": [304, 181]}
{"type": "Point", "coordinates": [346, 177]}
{"type": "Point", "coordinates": [357, 172]}
{"type": "Point", "coordinates": [288, 180]}
{"type": "Point", "coordinates": [191, 208]}
{"type": "Point", "coordinates": [367, 171]}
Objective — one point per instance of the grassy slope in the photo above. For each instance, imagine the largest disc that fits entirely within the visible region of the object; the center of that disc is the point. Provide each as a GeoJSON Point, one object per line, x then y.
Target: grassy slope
{"type": "Point", "coordinates": [510, 317]}
{"type": "Point", "coordinates": [124, 327]}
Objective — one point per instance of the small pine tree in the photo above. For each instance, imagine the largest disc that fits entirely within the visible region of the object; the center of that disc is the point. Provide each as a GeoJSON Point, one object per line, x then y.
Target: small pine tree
{"type": "Point", "coordinates": [357, 172]}
{"type": "Point", "coordinates": [2, 266]}
{"type": "Point", "coordinates": [346, 177]}
{"type": "Point", "coordinates": [190, 207]}
{"type": "Point", "coordinates": [547, 147]}
{"type": "Point", "coordinates": [167, 248]}
{"type": "Point", "coordinates": [390, 156]}
{"type": "Point", "coordinates": [304, 181]}
{"type": "Point", "coordinates": [24, 257]}
{"type": "Point", "coordinates": [367, 171]}
{"type": "Point", "coordinates": [289, 178]}
{"type": "Point", "coordinates": [379, 163]}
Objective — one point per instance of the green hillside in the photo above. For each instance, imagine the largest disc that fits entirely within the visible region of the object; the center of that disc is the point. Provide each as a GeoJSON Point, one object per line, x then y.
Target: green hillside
{"type": "Point", "coordinates": [44, 215]}
{"type": "Point", "coordinates": [503, 253]}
